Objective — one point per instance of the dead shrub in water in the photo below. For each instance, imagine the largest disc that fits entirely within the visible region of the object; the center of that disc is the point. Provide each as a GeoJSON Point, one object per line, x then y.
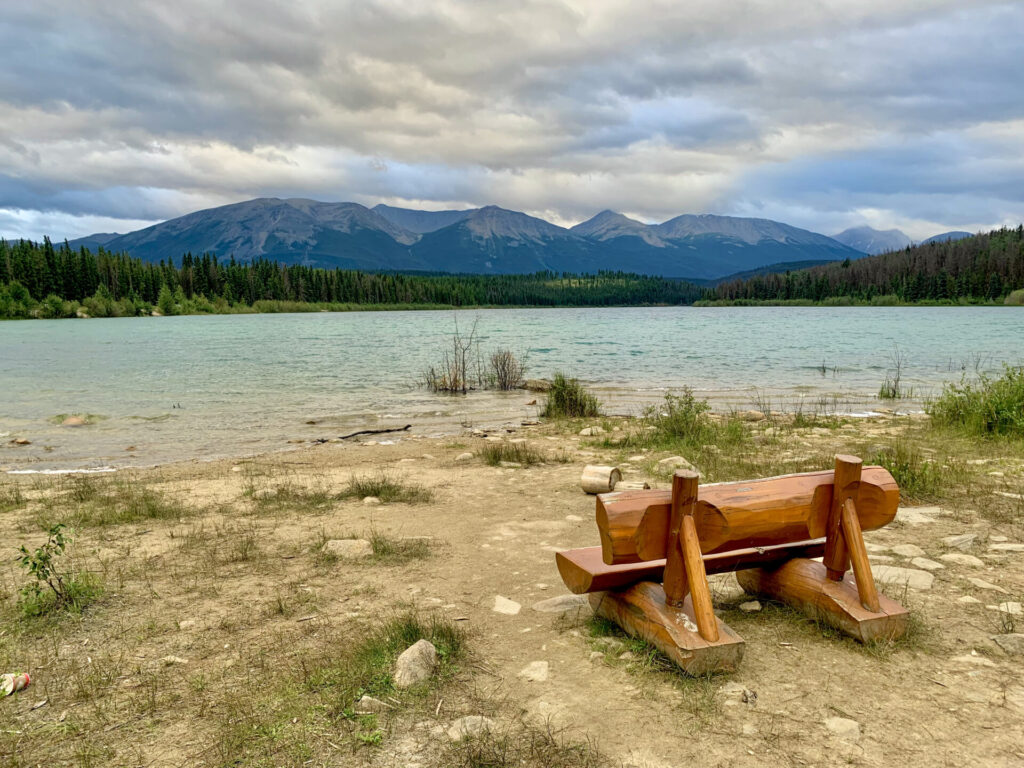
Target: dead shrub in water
{"type": "Point", "coordinates": [507, 370]}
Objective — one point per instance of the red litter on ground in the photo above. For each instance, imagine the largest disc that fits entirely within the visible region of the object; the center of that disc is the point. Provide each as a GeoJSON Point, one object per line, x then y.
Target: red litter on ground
{"type": "Point", "coordinates": [12, 683]}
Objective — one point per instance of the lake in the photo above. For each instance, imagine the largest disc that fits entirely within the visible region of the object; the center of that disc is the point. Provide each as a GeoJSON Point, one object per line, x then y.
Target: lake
{"type": "Point", "coordinates": [212, 386]}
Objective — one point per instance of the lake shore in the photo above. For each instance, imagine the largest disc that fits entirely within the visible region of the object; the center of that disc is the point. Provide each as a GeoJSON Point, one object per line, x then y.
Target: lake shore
{"type": "Point", "coordinates": [222, 622]}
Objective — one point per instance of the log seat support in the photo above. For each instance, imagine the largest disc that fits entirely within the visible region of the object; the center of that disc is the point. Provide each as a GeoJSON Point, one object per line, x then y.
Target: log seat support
{"type": "Point", "coordinates": [642, 611]}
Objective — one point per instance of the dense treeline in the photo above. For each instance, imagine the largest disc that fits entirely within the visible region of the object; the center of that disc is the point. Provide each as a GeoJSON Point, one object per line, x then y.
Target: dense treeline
{"type": "Point", "coordinates": [982, 268]}
{"type": "Point", "coordinates": [41, 280]}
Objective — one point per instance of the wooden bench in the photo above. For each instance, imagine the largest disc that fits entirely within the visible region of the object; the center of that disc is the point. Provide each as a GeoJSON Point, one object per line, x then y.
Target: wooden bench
{"type": "Point", "coordinates": [657, 547]}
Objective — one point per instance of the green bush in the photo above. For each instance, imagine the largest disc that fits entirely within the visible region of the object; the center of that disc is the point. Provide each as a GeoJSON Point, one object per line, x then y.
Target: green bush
{"type": "Point", "coordinates": [987, 406]}
{"type": "Point", "coordinates": [567, 398]}
{"type": "Point", "coordinates": [918, 478]}
{"type": "Point", "coordinates": [54, 586]}
{"type": "Point", "coordinates": [1015, 298]}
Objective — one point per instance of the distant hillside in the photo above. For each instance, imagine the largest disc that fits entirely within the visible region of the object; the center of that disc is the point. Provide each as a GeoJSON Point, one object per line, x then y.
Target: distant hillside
{"type": "Point", "coordinates": [488, 240]}
{"type": "Point", "coordinates": [873, 241]}
{"type": "Point", "coordinates": [947, 236]}
{"type": "Point", "coordinates": [977, 268]}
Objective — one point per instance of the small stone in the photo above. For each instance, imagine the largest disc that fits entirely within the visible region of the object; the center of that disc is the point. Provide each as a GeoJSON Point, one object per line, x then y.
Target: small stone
{"type": "Point", "coordinates": [537, 385]}
{"type": "Point", "coordinates": [467, 456]}
{"type": "Point", "coordinates": [974, 659]}
{"type": "Point", "coordinates": [371, 501]}
{"type": "Point", "coordinates": [672, 463]}
{"type": "Point", "coordinates": [469, 727]}
{"type": "Point", "coordinates": [186, 624]}
{"type": "Point", "coordinates": [510, 464]}
{"type": "Point", "coordinates": [574, 518]}
{"type": "Point", "coordinates": [562, 604]}
{"type": "Point", "coordinates": [596, 656]}
{"type": "Point", "coordinates": [750, 415]}
{"type": "Point", "coordinates": [968, 600]}
{"type": "Point", "coordinates": [415, 664]}
{"type": "Point", "coordinates": [348, 549]}
{"type": "Point", "coordinates": [506, 606]}
{"type": "Point", "coordinates": [263, 494]}
{"type": "Point", "coordinates": [982, 584]}
{"type": "Point", "coordinates": [74, 421]}
{"type": "Point", "coordinates": [962, 541]}
{"type": "Point", "coordinates": [236, 469]}
{"type": "Point", "coordinates": [1013, 644]}
{"type": "Point", "coordinates": [639, 457]}
{"type": "Point", "coordinates": [627, 656]}
{"type": "Point", "coordinates": [535, 672]}
{"type": "Point", "coordinates": [998, 538]}
{"type": "Point", "coordinates": [875, 548]}
{"type": "Point", "coordinates": [173, 660]}
{"type": "Point", "coordinates": [960, 558]}
{"type": "Point", "coordinates": [21, 441]}
{"type": "Point", "coordinates": [908, 550]}
{"type": "Point", "coordinates": [368, 705]}
{"type": "Point", "coordinates": [591, 431]}
{"type": "Point", "coordinates": [1006, 547]}
{"type": "Point", "coordinates": [843, 728]}
{"type": "Point", "coordinates": [428, 456]}
{"type": "Point", "coordinates": [751, 606]}
{"type": "Point", "coordinates": [749, 729]}
{"type": "Point", "coordinates": [926, 565]}
{"type": "Point", "coordinates": [914, 579]}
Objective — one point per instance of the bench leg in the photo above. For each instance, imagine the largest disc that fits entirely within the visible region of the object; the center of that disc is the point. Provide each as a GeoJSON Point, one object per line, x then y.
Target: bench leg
{"type": "Point", "coordinates": [805, 585]}
{"type": "Point", "coordinates": [641, 611]}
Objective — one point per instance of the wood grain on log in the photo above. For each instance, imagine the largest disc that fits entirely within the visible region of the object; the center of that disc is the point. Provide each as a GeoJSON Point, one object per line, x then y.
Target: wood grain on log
{"type": "Point", "coordinates": [684, 497]}
{"type": "Point", "coordinates": [584, 570]}
{"type": "Point", "coordinates": [854, 539]}
{"type": "Point", "coordinates": [634, 525]}
{"type": "Point", "coordinates": [804, 585]}
{"type": "Point", "coordinates": [845, 486]}
{"type": "Point", "coordinates": [642, 612]}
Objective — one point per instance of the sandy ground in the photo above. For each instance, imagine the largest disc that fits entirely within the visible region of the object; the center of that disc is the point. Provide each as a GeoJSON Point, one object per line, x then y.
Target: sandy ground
{"type": "Point", "coordinates": [950, 697]}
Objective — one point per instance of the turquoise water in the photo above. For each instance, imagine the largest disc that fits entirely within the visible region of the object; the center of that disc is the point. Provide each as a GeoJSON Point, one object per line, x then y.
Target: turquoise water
{"type": "Point", "coordinates": [249, 383]}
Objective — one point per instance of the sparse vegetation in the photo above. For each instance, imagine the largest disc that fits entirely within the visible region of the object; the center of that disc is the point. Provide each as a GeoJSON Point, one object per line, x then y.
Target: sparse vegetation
{"type": "Point", "coordinates": [386, 487]}
{"type": "Point", "coordinates": [453, 373]}
{"type": "Point", "coordinates": [89, 501]}
{"type": "Point", "coordinates": [507, 370]}
{"type": "Point", "coordinates": [892, 386]}
{"type": "Point", "coordinates": [568, 398]}
{"type": "Point", "coordinates": [985, 407]}
{"type": "Point", "coordinates": [523, 746]}
{"type": "Point", "coordinates": [494, 454]}
{"type": "Point", "coordinates": [55, 586]}
{"type": "Point", "coordinates": [394, 550]}
{"type": "Point", "coordinates": [920, 478]}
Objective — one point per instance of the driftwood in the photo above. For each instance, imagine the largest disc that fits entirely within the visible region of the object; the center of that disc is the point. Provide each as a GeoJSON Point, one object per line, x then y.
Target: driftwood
{"type": "Point", "coordinates": [406, 428]}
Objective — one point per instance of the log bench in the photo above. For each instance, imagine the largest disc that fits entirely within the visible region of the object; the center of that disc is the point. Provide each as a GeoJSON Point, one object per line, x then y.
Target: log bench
{"type": "Point", "coordinates": [649, 575]}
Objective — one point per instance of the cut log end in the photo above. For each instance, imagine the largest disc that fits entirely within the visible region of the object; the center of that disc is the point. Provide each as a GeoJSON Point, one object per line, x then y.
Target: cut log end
{"type": "Point", "coordinates": [599, 479]}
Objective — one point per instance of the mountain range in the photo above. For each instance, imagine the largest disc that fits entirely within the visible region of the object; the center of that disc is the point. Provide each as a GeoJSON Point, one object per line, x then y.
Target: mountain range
{"type": "Point", "coordinates": [875, 241]}
{"type": "Point", "coordinates": [488, 240]}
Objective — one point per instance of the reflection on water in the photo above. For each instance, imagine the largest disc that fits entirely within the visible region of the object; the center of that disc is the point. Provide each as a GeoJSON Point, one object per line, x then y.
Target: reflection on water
{"type": "Point", "coordinates": [201, 387]}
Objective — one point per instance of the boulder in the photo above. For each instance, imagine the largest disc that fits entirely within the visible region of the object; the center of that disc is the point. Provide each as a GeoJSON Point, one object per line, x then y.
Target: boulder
{"type": "Point", "coordinates": [415, 664]}
{"type": "Point", "coordinates": [537, 385]}
{"type": "Point", "coordinates": [672, 463]}
{"type": "Point", "coordinates": [348, 549]}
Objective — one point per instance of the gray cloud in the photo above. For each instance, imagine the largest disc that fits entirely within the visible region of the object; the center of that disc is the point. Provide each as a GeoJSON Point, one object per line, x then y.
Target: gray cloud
{"type": "Point", "coordinates": [900, 113]}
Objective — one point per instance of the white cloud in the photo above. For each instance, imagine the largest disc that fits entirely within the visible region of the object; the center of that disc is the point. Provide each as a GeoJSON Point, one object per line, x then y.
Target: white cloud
{"type": "Point", "coordinates": [834, 112]}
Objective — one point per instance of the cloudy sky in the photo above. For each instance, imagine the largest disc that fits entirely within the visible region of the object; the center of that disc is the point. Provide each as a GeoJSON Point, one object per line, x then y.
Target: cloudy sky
{"type": "Point", "coordinates": [115, 114]}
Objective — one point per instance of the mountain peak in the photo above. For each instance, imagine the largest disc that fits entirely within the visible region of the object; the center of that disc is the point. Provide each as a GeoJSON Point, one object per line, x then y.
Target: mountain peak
{"type": "Point", "coordinates": [873, 241]}
{"type": "Point", "coordinates": [609, 224]}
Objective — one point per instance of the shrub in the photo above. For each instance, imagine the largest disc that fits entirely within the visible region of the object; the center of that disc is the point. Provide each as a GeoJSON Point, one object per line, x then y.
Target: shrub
{"type": "Point", "coordinates": [1015, 298]}
{"type": "Point", "coordinates": [54, 587]}
{"type": "Point", "coordinates": [988, 406]}
{"type": "Point", "coordinates": [507, 370]}
{"type": "Point", "coordinates": [919, 479]}
{"type": "Point", "coordinates": [494, 454]}
{"type": "Point", "coordinates": [567, 398]}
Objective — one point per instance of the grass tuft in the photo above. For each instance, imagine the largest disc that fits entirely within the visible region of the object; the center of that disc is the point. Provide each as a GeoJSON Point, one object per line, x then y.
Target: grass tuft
{"type": "Point", "coordinates": [494, 454]}
{"type": "Point", "coordinates": [986, 407]}
{"type": "Point", "coordinates": [920, 478]}
{"type": "Point", "coordinates": [386, 487]}
{"type": "Point", "coordinates": [87, 501]}
{"type": "Point", "coordinates": [568, 399]}
{"type": "Point", "coordinates": [523, 746]}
